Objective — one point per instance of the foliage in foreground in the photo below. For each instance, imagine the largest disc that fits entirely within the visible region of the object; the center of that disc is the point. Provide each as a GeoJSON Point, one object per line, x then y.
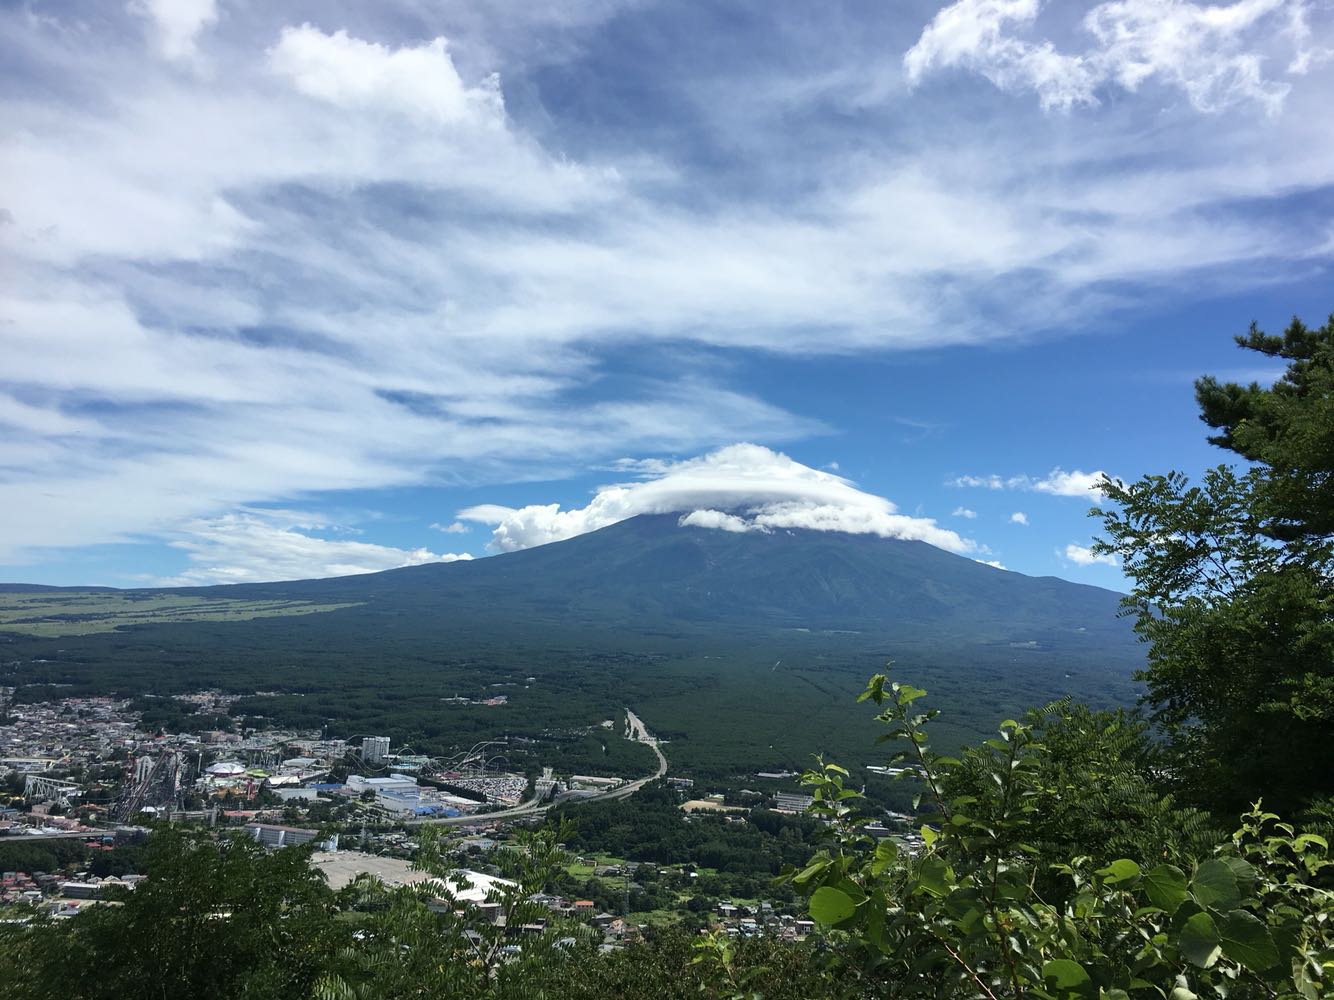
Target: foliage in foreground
{"type": "Point", "coordinates": [224, 920]}
{"type": "Point", "coordinates": [965, 916]}
{"type": "Point", "coordinates": [228, 919]}
{"type": "Point", "coordinates": [1016, 894]}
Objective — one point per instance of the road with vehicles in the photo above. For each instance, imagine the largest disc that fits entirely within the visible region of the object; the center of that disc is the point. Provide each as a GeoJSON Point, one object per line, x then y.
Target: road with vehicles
{"type": "Point", "coordinates": [532, 810]}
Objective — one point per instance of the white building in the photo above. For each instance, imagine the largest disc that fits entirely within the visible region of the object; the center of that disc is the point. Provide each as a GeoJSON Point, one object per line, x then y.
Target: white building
{"type": "Point", "coordinates": [374, 749]}
{"type": "Point", "coordinates": [287, 836]}
{"type": "Point", "coordinates": [395, 782]}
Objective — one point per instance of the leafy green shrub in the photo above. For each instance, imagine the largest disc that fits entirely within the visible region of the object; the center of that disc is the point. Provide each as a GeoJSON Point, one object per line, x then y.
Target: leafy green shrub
{"type": "Point", "coordinates": [1097, 792]}
{"type": "Point", "coordinates": [965, 917]}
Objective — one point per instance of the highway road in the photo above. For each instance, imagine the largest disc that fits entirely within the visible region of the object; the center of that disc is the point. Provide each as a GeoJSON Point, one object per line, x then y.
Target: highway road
{"type": "Point", "coordinates": [531, 810]}
{"type": "Point", "coordinates": [30, 838]}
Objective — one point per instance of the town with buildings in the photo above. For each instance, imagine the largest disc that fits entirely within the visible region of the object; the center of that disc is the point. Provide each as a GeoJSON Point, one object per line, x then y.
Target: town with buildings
{"type": "Point", "coordinates": [92, 772]}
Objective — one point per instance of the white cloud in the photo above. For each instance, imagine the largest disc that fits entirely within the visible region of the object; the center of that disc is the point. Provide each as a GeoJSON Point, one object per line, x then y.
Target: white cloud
{"type": "Point", "coordinates": [719, 520]}
{"type": "Point", "coordinates": [1019, 517]}
{"type": "Point", "coordinates": [258, 546]}
{"type": "Point", "coordinates": [992, 482]}
{"type": "Point", "coordinates": [964, 512]}
{"type": "Point", "coordinates": [742, 487]}
{"type": "Point", "coordinates": [1083, 556]}
{"type": "Point", "coordinates": [1213, 53]}
{"type": "Point", "coordinates": [1071, 484]}
{"type": "Point", "coordinates": [1058, 482]}
{"type": "Point", "coordinates": [454, 528]}
{"type": "Point", "coordinates": [177, 23]}
{"type": "Point", "coordinates": [417, 81]}
{"type": "Point", "coordinates": [993, 563]}
{"type": "Point", "coordinates": [972, 34]}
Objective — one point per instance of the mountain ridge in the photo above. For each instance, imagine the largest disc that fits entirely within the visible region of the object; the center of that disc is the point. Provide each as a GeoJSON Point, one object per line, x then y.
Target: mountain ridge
{"type": "Point", "coordinates": [650, 571]}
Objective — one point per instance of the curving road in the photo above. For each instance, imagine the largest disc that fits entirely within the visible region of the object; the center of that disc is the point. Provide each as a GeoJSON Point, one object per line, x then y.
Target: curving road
{"type": "Point", "coordinates": [529, 810]}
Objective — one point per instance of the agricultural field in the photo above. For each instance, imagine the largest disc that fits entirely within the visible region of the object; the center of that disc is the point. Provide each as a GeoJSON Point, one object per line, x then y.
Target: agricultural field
{"type": "Point", "coordinates": [52, 614]}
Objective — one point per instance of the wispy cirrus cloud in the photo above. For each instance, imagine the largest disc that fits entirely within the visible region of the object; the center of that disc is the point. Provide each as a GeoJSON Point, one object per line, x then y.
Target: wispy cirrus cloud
{"type": "Point", "coordinates": [259, 255]}
{"type": "Point", "coordinates": [257, 546]}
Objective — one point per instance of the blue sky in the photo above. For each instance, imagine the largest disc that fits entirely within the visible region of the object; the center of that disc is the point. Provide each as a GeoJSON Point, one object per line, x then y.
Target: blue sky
{"type": "Point", "coordinates": [311, 288]}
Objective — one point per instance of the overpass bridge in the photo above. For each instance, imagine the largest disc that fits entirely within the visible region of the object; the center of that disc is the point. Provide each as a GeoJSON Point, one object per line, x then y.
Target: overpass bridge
{"type": "Point", "coordinates": [532, 810]}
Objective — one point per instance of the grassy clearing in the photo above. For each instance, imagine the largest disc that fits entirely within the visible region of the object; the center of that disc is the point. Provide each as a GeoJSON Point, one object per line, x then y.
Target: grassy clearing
{"type": "Point", "coordinates": [656, 918]}
{"type": "Point", "coordinates": [585, 871]}
{"type": "Point", "coordinates": [51, 615]}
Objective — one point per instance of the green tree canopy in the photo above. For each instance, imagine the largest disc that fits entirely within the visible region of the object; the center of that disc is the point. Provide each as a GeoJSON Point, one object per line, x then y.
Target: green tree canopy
{"type": "Point", "coordinates": [216, 918]}
{"type": "Point", "coordinates": [1288, 428]}
{"type": "Point", "coordinates": [1234, 585]}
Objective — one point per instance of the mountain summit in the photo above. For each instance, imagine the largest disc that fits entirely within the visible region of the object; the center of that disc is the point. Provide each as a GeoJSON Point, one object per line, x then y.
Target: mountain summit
{"type": "Point", "coordinates": [652, 573]}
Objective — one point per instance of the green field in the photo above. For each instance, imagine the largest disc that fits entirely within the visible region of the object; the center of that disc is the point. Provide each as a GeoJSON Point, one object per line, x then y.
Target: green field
{"type": "Point", "coordinates": [52, 614]}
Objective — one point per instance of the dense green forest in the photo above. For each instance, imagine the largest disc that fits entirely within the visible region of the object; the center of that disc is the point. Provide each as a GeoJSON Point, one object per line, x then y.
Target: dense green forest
{"type": "Point", "coordinates": [695, 691]}
{"type": "Point", "coordinates": [16, 854]}
{"type": "Point", "coordinates": [651, 827]}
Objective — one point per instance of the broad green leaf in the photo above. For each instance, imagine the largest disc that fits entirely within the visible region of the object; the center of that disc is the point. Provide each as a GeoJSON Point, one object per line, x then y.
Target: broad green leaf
{"type": "Point", "coordinates": [1166, 887]}
{"type": "Point", "coordinates": [1311, 838]}
{"type": "Point", "coordinates": [886, 853]}
{"type": "Point", "coordinates": [1120, 872]}
{"type": "Point", "coordinates": [853, 891]}
{"type": "Point", "coordinates": [1247, 941]}
{"type": "Point", "coordinates": [906, 694]}
{"type": "Point", "coordinates": [1215, 886]}
{"type": "Point", "coordinates": [811, 870]}
{"type": "Point", "coordinates": [933, 876]}
{"type": "Point", "coordinates": [875, 919]}
{"type": "Point", "coordinates": [966, 907]}
{"type": "Point", "coordinates": [1243, 872]}
{"type": "Point", "coordinates": [1199, 940]}
{"type": "Point", "coordinates": [875, 688]}
{"type": "Point", "coordinates": [1064, 974]}
{"type": "Point", "coordinates": [830, 906]}
{"type": "Point", "coordinates": [1012, 884]}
